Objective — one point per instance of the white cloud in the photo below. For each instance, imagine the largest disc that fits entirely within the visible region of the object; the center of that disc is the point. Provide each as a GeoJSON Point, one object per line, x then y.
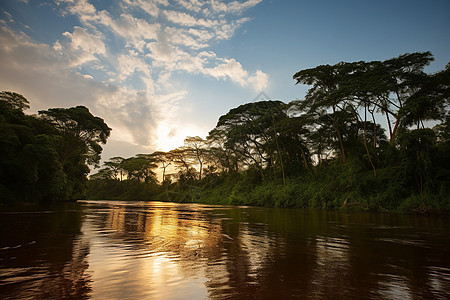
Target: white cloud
{"type": "Point", "coordinates": [185, 19]}
{"type": "Point", "coordinates": [183, 37]}
{"type": "Point", "coordinates": [78, 7]}
{"type": "Point", "coordinates": [130, 63]}
{"type": "Point", "coordinates": [120, 62]}
{"type": "Point", "coordinates": [130, 112]}
{"type": "Point", "coordinates": [201, 35]}
{"type": "Point", "coordinates": [192, 5]}
{"type": "Point", "coordinates": [84, 45]}
{"type": "Point", "coordinates": [232, 69]}
{"type": "Point", "coordinates": [259, 81]}
{"type": "Point", "coordinates": [8, 16]}
{"type": "Point", "coordinates": [235, 7]}
{"type": "Point", "coordinates": [229, 68]}
{"type": "Point", "coordinates": [149, 6]}
{"type": "Point", "coordinates": [169, 48]}
{"type": "Point", "coordinates": [36, 71]}
{"type": "Point", "coordinates": [57, 46]}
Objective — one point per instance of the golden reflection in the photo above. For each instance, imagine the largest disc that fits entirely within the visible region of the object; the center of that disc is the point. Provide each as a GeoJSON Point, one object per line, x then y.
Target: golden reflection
{"type": "Point", "coordinates": [136, 250]}
{"type": "Point", "coordinates": [170, 249]}
{"type": "Point", "coordinates": [173, 245]}
{"type": "Point", "coordinates": [178, 251]}
{"type": "Point", "coordinates": [116, 219]}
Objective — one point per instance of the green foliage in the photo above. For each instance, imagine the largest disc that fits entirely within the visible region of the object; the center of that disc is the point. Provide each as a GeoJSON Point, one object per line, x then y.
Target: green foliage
{"type": "Point", "coordinates": [34, 165]}
{"type": "Point", "coordinates": [324, 152]}
{"type": "Point", "coordinates": [82, 133]}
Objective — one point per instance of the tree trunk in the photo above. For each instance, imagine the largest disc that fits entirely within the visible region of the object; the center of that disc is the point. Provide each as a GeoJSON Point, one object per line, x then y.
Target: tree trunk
{"type": "Point", "coordinates": [338, 132]}
{"type": "Point", "coordinates": [341, 143]}
{"type": "Point", "coordinates": [304, 158]}
{"type": "Point", "coordinates": [375, 135]}
{"type": "Point", "coordinates": [365, 143]}
{"type": "Point", "coordinates": [394, 132]}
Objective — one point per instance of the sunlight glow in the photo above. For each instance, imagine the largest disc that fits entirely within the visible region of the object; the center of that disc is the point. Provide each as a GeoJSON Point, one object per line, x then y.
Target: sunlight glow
{"type": "Point", "coordinates": [171, 136]}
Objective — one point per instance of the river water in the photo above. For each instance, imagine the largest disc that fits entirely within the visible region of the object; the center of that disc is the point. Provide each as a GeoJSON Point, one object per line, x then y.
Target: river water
{"type": "Point", "coordinates": [158, 250]}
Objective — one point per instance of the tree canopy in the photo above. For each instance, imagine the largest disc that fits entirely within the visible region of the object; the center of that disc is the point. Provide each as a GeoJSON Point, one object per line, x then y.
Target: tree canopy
{"type": "Point", "coordinates": [373, 135]}
{"type": "Point", "coordinates": [46, 157]}
{"type": "Point", "coordinates": [362, 137]}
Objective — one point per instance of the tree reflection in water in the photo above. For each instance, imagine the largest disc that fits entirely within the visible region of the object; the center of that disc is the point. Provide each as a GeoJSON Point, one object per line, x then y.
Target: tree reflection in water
{"type": "Point", "coordinates": [43, 254]}
{"type": "Point", "coordinates": [154, 250]}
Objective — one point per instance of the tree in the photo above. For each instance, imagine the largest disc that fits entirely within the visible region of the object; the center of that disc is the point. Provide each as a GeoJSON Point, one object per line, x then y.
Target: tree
{"type": "Point", "coordinates": [81, 131]}
{"type": "Point", "coordinates": [196, 146]}
{"type": "Point", "coordinates": [164, 159]}
{"type": "Point", "coordinates": [14, 101]}
{"type": "Point", "coordinates": [429, 101]}
{"type": "Point", "coordinates": [29, 166]}
{"type": "Point", "coordinates": [140, 167]}
{"type": "Point", "coordinates": [248, 131]}
{"type": "Point", "coordinates": [115, 165]}
{"type": "Point", "coordinates": [325, 94]}
{"type": "Point", "coordinates": [35, 162]}
{"type": "Point", "coordinates": [183, 161]}
{"type": "Point", "coordinates": [388, 86]}
{"type": "Point", "coordinates": [295, 137]}
{"type": "Point", "coordinates": [222, 157]}
{"type": "Point", "coordinates": [416, 156]}
{"type": "Point", "coordinates": [104, 174]}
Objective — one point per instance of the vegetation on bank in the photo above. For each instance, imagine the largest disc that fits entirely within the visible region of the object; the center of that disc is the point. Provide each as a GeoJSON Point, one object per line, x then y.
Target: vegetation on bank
{"type": "Point", "coordinates": [45, 157]}
{"type": "Point", "coordinates": [326, 151]}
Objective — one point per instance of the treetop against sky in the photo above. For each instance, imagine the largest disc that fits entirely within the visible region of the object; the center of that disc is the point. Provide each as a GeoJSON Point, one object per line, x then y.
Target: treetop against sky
{"type": "Point", "coordinates": [158, 71]}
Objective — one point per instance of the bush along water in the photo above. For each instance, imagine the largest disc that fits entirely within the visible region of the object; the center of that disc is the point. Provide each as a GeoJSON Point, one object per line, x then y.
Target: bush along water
{"type": "Point", "coordinates": [327, 151]}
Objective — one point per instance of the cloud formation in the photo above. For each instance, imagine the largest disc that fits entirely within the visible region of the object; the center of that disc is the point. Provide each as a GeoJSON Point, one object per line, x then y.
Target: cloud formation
{"type": "Point", "coordinates": [119, 59]}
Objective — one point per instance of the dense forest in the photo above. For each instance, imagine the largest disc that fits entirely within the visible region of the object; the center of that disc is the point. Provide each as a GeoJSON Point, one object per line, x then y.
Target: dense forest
{"type": "Point", "coordinates": [368, 136]}
{"type": "Point", "coordinates": [326, 151]}
{"type": "Point", "coordinates": [45, 157]}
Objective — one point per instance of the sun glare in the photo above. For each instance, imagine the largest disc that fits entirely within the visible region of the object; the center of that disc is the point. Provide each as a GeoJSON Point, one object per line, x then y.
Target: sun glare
{"type": "Point", "coordinates": [172, 136]}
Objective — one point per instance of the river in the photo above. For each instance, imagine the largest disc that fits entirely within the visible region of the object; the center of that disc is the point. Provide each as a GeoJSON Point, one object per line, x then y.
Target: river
{"type": "Point", "coordinates": [159, 250]}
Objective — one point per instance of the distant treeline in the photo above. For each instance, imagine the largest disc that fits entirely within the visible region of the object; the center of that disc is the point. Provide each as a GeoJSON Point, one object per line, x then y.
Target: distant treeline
{"type": "Point", "coordinates": [326, 151]}
{"type": "Point", "coordinates": [45, 157]}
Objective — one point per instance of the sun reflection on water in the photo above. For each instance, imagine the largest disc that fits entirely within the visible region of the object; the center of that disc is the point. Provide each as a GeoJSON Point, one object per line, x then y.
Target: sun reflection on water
{"type": "Point", "coordinates": [156, 250]}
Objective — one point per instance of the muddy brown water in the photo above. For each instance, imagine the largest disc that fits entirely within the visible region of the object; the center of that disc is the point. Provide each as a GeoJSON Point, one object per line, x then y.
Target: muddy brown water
{"type": "Point", "coordinates": [159, 250]}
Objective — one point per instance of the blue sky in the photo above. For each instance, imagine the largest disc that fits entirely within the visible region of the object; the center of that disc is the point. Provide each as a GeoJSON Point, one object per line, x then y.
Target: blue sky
{"type": "Point", "coordinates": [158, 71]}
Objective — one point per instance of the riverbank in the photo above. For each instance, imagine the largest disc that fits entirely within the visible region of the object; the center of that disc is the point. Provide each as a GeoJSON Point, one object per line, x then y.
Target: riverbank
{"type": "Point", "coordinates": [331, 188]}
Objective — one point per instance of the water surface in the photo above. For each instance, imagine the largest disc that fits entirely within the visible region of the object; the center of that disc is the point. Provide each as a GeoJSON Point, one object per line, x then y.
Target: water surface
{"type": "Point", "coordinates": [158, 250]}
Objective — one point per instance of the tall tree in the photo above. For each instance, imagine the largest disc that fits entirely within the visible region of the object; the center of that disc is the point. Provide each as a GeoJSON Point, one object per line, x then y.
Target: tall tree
{"type": "Point", "coordinates": [14, 101]}
{"type": "Point", "coordinates": [325, 94]}
{"type": "Point", "coordinates": [388, 86]}
{"type": "Point", "coordinates": [197, 147]}
{"type": "Point", "coordinates": [183, 161]}
{"type": "Point", "coordinates": [115, 165]}
{"type": "Point", "coordinates": [45, 158]}
{"type": "Point", "coordinates": [81, 131]}
{"type": "Point", "coordinates": [163, 159]}
{"type": "Point", "coordinates": [248, 131]}
{"type": "Point", "coordinates": [81, 134]}
{"type": "Point", "coordinates": [140, 168]}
